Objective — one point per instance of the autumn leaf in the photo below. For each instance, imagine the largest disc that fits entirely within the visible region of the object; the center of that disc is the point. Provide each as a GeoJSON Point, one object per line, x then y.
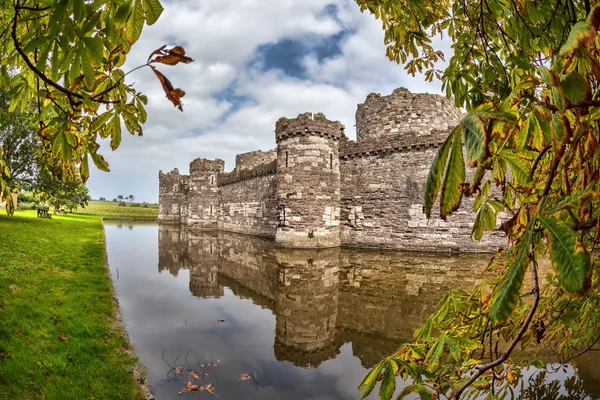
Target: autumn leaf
{"type": "Point", "coordinates": [172, 93]}
{"type": "Point", "coordinates": [169, 56]}
{"type": "Point", "coordinates": [62, 337]}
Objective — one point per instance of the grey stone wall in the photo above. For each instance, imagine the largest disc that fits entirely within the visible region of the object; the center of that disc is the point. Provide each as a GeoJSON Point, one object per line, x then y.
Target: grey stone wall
{"type": "Point", "coordinates": [382, 204]}
{"type": "Point", "coordinates": [254, 159]}
{"type": "Point", "coordinates": [402, 112]}
{"type": "Point", "coordinates": [247, 202]}
{"type": "Point", "coordinates": [171, 194]}
{"type": "Point", "coordinates": [308, 181]}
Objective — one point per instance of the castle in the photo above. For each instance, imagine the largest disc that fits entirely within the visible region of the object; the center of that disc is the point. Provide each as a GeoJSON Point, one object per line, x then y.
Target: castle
{"type": "Point", "coordinates": [319, 189]}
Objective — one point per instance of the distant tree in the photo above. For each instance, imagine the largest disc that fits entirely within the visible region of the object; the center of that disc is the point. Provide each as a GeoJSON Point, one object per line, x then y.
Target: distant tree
{"type": "Point", "coordinates": [69, 192]}
{"type": "Point", "coordinates": [120, 197]}
{"type": "Point", "coordinates": [102, 199]}
{"type": "Point", "coordinates": [131, 198]}
{"type": "Point", "coordinates": [114, 200]}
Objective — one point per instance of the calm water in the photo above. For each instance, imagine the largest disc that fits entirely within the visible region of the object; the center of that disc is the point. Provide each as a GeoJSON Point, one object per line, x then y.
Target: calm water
{"type": "Point", "coordinates": [308, 324]}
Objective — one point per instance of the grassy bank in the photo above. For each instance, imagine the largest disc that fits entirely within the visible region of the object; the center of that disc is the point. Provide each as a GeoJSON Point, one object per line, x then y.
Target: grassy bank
{"type": "Point", "coordinates": [57, 334]}
{"type": "Point", "coordinates": [111, 209]}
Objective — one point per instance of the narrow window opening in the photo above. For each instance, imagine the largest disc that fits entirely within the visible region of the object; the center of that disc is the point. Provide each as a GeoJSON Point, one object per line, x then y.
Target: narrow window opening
{"type": "Point", "coordinates": [211, 210]}
{"type": "Point", "coordinates": [330, 160]}
{"type": "Point", "coordinates": [286, 159]}
{"type": "Point", "coordinates": [212, 179]}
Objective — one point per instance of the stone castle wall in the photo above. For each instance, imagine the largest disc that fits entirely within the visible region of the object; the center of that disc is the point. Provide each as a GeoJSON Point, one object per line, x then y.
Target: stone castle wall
{"type": "Point", "coordinates": [320, 189]}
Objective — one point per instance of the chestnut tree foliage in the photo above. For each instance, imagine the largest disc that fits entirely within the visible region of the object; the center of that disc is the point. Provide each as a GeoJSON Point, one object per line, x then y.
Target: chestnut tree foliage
{"type": "Point", "coordinates": [528, 73]}
{"type": "Point", "coordinates": [66, 57]}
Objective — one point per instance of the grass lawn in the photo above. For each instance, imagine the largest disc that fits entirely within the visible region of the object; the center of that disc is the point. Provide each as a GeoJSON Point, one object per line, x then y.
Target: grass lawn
{"type": "Point", "coordinates": [57, 334]}
{"type": "Point", "coordinates": [112, 209]}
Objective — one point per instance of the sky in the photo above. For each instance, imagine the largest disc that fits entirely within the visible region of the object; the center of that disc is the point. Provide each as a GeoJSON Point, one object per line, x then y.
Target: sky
{"type": "Point", "coordinates": [255, 61]}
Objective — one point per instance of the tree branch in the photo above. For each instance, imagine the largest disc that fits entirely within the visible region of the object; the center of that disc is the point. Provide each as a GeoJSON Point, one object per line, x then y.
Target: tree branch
{"type": "Point", "coordinates": [481, 369]}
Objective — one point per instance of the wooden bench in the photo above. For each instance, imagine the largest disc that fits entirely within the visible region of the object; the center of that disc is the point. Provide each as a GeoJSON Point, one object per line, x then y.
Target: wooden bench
{"type": "Point", "coordinates": [43, 212]}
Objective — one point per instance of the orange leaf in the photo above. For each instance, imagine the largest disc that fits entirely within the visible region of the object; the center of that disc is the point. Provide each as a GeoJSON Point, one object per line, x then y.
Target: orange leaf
{"type": "Point", "coordinates": [172, 93]}
{"type": "Point", "coordinates": [62, 337]}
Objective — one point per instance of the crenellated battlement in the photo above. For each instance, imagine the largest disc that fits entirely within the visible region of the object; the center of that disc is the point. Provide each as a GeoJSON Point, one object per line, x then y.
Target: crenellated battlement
{"type": "Point", "coordinates": [308, 124]}
{"type": "Point", "coordinates": [254, 159]}
{"type": "Point", "coordinates": [207, 165]}
{"type": "Point", "coordinates": [403, 112]}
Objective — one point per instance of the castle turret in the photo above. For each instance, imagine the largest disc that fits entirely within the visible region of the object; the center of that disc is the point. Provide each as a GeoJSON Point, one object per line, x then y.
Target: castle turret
{"type": "Point", "coordinates": [308, 181]}
{"type": "Point", "coordinates": [170, 196]}
{"type": "Point", "coordinates": [404, 112]}
{"type": "Point", "coordinates": [203, 198]}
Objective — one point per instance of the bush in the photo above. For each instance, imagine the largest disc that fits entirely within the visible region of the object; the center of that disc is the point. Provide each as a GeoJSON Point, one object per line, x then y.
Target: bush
{"type": "Point", "coordinates": [135, 205]}
{"type": "Point", "coordinates": [26, 197]}
{"type": "Point", "coordinates": [145, 205]}
{"type": "Point", "coordinates": [122, 204]}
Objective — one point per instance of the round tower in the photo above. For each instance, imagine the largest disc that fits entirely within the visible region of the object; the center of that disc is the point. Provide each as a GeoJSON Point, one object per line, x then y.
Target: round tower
{"type": "Point", "coordinates": [308, 181]}
{"type": "Point", "coordinates": [403, 112]}
{"type": "Point", "coordinates": [203, 197]}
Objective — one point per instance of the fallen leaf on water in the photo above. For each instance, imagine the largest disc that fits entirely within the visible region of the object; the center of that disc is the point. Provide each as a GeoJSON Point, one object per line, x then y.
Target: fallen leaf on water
{"type": "Point", "coordinates": [194, 374]}
{"type": "Point", "coordinates": [245, 377]}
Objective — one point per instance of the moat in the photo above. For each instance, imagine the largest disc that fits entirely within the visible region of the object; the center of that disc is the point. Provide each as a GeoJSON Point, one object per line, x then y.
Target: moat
{"type": "Point", "coordinates": [308, 323]}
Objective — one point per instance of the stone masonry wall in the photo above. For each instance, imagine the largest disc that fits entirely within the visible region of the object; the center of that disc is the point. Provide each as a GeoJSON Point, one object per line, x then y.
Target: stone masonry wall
{"type": "Point", "coordinates": [254, 159]}
{"type": "Point", "coordinates": [382, 204]}
{"type": "Point", "coordinates": [402, 112]}
{"type": "Point", "coordinates": [247, 201]}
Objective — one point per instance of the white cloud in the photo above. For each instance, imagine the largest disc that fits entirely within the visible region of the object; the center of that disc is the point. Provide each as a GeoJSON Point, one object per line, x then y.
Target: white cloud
{"type": "Point", "coordinates": [223, 37]}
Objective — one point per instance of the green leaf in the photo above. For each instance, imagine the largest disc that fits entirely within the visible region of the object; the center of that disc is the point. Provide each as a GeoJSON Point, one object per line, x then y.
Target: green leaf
{"type": "Point", "coordinates": [436, 172]}
{"type": "Point", "coordinates": [99, 121]}
{"type": "Point", "coordinates": [582, 34]}
{"type": "Point", "coordinates": [388, 384]}
{"type": "Point", "coordinates": [100, 162]}
{"type": "Point", "coordinates": [135, 22]}
{"type": "Point", "coordinates": [518, 169]}
{"type": "Point", "coordinates": [424, 332]}
{"type": "Point", "coordinates": [507, 293]}
{"type": "Point", "coordinates": [36, 44]}
{"type": "Point", "coordinates": [369, 381]}
{"type": "Point", "coordinates": [569, 318]}
{"type": "Point", "coordinates": [122, 13]}
{"type": "Point", "coordinates": [153, 11]}
{"type": "Point", "coordinates": [575, 87]}
{"type": "Point", "coordinates": [435, 353]}
{"type": "Point", "coordinates": [473, 131]}
{"type": "Point", "coordinates": [84, 168]}
{"type": "Point", "coordinates": [454, 348]}
{"type": "Point", "coordinates": [568, 256]}
{"type": "Point", "coordinates": [454, 178]}
{"type": "Point", "coordinates": [115, 132]}
{"type": "Point", "coordinates": [94, 48]}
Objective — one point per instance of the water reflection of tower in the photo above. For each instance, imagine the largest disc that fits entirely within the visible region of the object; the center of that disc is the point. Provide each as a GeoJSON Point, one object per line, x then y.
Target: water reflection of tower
{"type": "Point", "coordinates": [171, 248]}
{"type": "Point", "coordinates": [306, 306]}
{"type": "Point", "coordinates": [203, 259]}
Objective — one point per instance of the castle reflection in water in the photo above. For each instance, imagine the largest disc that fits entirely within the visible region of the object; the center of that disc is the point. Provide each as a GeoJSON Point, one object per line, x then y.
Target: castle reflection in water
{"type": "Point", "coordinates": [321, 298]}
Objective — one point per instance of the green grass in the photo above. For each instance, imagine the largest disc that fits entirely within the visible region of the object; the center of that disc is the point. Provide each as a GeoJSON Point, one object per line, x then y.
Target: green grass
{"type": "Point", "coordinates": [57, 334]}
{"type": "Point", "coordinates": [111, 209]}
